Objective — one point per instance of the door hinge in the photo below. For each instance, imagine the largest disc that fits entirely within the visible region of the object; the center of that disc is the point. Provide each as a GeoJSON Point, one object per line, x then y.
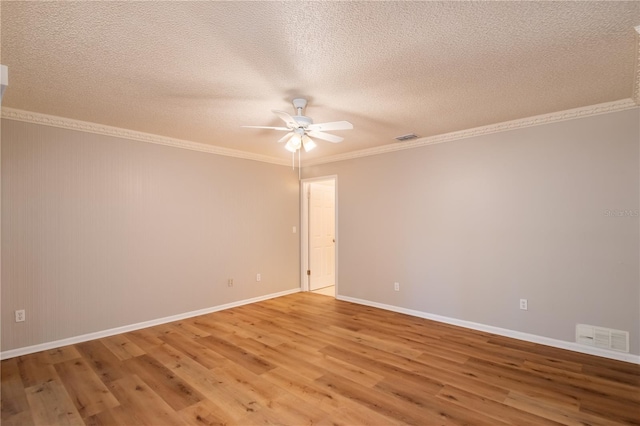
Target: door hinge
{"type": "Point", "coordinates": [308, 271]}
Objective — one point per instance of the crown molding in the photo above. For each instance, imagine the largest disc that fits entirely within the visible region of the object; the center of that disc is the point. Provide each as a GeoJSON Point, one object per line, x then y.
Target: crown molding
{"type": "Point", "coordinates": [537, 120]}
{"type": "Point", "coordinates": [66, 123]}
{"type": "Point", "coordinates": [636, 82]}
{"type": "Point", "coordinates": [84, 126]}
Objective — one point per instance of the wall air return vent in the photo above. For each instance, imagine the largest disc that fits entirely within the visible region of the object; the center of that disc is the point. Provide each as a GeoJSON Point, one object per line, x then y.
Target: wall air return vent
{"type": "Point", "coordinates": [406, 137]}
{"type": "Point", "coordinates": [600, 337]}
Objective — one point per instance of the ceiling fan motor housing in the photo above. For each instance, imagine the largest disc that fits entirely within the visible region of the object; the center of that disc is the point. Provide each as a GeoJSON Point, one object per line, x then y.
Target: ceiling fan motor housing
{"type": "Point", "coordinates": [302, 120]}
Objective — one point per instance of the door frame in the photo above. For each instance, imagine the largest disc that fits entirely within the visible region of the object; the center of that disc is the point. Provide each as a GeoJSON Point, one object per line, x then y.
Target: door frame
{"type": "Point", "coordinates": [304, 228]}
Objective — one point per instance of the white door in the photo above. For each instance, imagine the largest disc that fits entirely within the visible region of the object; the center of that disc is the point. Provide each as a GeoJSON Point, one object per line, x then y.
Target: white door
{"type": "Point", "coordinates": [322, 235]}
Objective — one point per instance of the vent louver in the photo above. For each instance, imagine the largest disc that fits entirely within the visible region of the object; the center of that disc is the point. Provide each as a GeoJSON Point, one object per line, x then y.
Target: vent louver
{"type": "Point", "coordinates": [601, 337]}
{"type": "Point", "coordinates": [406, 137]}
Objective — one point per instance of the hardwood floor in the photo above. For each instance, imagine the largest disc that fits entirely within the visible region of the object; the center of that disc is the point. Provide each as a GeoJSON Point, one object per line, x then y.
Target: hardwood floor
{"type": "Point", "coordinates": [310, 359]}
{"type": "Point", "coordinates": [326, 291]}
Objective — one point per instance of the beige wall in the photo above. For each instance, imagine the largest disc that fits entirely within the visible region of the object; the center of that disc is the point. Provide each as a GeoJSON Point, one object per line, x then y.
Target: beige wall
{"type": "Point", "coordinates": [470, 227]}
{"type": "Point", "coordinates": [100, 232]}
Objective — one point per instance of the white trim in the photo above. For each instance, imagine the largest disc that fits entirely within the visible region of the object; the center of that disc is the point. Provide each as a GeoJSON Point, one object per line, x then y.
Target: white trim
{"type": "Point", "coordinates": [304, 228]}
{"type": "Point", "coordinates": [4, 80]}
{"type": "Point", "coordinates": [533, 338]}
{"type": "Point", "coordinates": [304, 235]}
{"type": "Point", "coordinates": [65, 123]}
{"type": "Point", "coordinates": [132, 327]}
{"type": "Point", "coordinates": [100, 129]}
{"type": "Point", "coordinates": [636, 82]}
{"type": "Point", "coordinates": [553, 117]}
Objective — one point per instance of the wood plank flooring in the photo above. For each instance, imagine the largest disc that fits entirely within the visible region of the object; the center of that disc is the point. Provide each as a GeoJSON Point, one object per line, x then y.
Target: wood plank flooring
{"type": "Point", "coordinates": [309, 359]}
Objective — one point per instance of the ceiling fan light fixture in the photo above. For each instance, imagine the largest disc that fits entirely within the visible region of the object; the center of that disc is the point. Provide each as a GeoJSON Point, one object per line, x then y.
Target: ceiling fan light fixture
{"type": "Point", "coordinates": [294, 143]}
{"type": "Point", "coordinates": [308, 144]}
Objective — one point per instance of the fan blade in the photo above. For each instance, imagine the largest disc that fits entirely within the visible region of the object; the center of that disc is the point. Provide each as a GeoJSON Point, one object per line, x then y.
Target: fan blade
{"type": "Point", "coordinates": [307, 143]}
{"type": "Point", "coordinates": [286, 137]}
{"type": "Point", "coordinates": [334, 125]}
{"type": "Point", "coordinates": [326, 136]}
{"type": "Point", "coordinates": [286, 118]}
{"type": "Point", "coordinates": [266, 127]}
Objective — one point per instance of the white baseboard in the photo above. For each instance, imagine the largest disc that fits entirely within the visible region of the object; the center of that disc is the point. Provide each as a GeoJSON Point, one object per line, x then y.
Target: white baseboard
{"type": "Point", "coordinates": [562, 344]}
{"type": "Point", "coordinates": [126, 328]}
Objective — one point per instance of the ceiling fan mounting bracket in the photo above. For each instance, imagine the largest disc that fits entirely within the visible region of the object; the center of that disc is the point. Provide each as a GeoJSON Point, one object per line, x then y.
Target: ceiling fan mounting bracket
{"type": "Point", "coordinates": [299, 103]}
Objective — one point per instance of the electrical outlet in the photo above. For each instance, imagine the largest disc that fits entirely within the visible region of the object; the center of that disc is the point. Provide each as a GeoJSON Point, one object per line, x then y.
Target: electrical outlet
{"type": "Point", "coordinates": [396, 286]}
{"type": "Point", "coordinates": [230, 282]}
{"type": "Point", "coordinates": [20, 315]}
{"type": "Point", "coordinates": [524, 305]}
{"type": "Point", "coordinates": [258, 277]}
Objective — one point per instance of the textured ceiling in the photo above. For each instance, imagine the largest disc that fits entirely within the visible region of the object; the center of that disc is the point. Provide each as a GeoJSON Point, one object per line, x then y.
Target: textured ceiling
{"type": "Point", "coordinates": [199, 70]}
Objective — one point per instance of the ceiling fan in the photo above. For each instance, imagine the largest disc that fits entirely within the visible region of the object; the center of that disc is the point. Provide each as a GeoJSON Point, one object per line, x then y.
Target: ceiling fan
{"type": "Point", "coordinates": [300, 127]}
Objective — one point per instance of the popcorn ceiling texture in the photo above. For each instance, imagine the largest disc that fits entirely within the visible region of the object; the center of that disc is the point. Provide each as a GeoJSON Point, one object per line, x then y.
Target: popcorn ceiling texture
{"type": "Point", "coordinates": [198, 71]}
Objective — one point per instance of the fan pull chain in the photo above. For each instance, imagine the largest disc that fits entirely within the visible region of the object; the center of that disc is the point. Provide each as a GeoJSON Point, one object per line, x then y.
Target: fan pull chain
{"type": "Point", "coordinates": [293, 161]}
{"type": "Point", "coordinates": [299, 176]}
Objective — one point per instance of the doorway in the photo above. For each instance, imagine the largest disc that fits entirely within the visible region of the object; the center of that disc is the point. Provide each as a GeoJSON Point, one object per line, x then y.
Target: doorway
{"type": "Point", "coordinates": [318, 235]}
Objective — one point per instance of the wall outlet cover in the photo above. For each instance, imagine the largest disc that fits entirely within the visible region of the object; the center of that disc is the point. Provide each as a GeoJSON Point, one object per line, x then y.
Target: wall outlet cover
{"type": "Point", "coordinates": [20, 315]}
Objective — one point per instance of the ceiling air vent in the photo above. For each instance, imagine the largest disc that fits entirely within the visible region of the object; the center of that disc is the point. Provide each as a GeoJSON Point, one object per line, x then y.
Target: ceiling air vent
{"type": "Point", "coordinates": [406, 137]}
{"type": "Point", "coordinates": [601, 337]}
